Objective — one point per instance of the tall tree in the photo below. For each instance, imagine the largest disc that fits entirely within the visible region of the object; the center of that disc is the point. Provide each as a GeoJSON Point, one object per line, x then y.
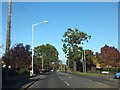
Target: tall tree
{"type": "Point", "coordinates": [46, 52]}
{"type": "Point", "coordinates": [71, 44]}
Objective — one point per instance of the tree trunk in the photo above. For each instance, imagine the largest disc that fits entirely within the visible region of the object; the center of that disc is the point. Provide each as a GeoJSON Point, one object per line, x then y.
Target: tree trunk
{"type": "Point", "coordinates": [74, 65]}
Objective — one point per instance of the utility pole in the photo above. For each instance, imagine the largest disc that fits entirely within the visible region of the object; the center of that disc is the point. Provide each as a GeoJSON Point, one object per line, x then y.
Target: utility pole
{"type": "Point", "coordinates": [61, 65]}
{"type": "Point", "coordinates": [42, 62]}
{"type": "Point", "coordinates": [68, 65]}
{"type": "Point", "coordinates": [84, 61]}
{"type": "Point", "coordinates": [7, 51]}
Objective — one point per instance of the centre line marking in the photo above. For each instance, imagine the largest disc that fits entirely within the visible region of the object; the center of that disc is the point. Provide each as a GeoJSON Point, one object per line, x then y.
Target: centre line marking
{"type": "Point", "coordinates": [64, 81]}
{"type": "Point", "coordinates": [60, 78]}
{"type": "Point", "coordinates": [67, 83]}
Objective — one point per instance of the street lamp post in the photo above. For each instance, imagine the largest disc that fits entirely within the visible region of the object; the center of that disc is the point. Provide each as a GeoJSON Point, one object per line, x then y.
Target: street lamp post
{"type": "Point", "coordinates": [33, 25]}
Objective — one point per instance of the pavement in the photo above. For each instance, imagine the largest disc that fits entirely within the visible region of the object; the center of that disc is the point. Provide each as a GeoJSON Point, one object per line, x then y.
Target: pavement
{"type": "Point", "coordinates": [33, 80]}
{"type": "Point", "coordinates": [21, 84]}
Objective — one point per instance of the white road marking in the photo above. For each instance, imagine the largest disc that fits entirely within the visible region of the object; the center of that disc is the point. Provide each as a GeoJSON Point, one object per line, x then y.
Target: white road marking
{"type": "Point", "coordinates": [64, 81]}
{"type": "Point", "coordinates": [90, 80]}
{"type": "Point", "coordinates": [67, 83]}
{"type": "Point", "coordinates": [60, 78]}
{"type": "Point", "coordinates": [65, 74]}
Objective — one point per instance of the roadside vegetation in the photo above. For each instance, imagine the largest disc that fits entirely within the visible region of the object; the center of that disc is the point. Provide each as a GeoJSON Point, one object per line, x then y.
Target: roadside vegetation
{"type": "Point", "coordinates": [46, 57]}
{"type": "Point", "coordinates": [108, 59]}
{"type": "Point", "coordinates": [21, 59]}
{"type": "Point", "coordinates": [19, 62]}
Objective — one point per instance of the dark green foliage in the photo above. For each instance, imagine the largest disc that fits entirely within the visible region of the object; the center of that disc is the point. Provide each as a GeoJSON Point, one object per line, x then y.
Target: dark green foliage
{"type": "Point", "coordinates": [49, 54]}
{"type": "Point", "coordinates": [114, 69]}
{"type": "Point", "coordinates": [91, 60]}
{"type": "Point", "coordinates": [24, 71]}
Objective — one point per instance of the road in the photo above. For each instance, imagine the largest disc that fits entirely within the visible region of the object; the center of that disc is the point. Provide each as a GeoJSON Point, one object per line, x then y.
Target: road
{"type": "Point", "coordinates": [67, 80]}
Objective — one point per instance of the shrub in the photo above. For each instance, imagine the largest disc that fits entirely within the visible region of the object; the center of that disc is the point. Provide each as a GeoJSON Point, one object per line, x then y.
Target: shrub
{"type": "Point", "coordinates": [113, 69]}
{"type": "Point", "coordinates": [23, 71]}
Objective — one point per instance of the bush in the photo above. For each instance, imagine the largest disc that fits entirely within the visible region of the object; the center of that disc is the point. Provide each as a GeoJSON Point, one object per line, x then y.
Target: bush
{"type": "Point", "coordinates": [23, 71]}
{"type": "Point", "coordinates": [113, 69]}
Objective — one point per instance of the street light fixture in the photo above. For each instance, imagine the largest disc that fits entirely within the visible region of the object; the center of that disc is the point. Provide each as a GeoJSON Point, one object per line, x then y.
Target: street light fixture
{"type": "Point", "coordinates": [33, 25]}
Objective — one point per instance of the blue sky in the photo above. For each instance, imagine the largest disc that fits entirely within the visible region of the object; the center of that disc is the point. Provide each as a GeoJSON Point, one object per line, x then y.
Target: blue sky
{"type": "Point", "coordinates": [100, 20]}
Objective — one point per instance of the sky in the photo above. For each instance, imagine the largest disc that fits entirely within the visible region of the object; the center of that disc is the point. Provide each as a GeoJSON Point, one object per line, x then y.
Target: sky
{"type": "Point", "coordinates": [98, 19]}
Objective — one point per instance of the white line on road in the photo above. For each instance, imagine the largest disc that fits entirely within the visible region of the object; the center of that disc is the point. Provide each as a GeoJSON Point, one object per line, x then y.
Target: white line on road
{"type": "Point", "coordinates": [89, 80]}
{"type": "Point", "coordinates": [64, 81]}
{"type": "Point", "coordinates": [67, 83]}
{"type": "Point", "coordinates": [60, 78]}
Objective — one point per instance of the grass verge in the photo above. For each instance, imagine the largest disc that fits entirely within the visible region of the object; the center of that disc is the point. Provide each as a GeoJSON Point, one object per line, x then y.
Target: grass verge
{"type": "Point", "coordinates": [88, 74]}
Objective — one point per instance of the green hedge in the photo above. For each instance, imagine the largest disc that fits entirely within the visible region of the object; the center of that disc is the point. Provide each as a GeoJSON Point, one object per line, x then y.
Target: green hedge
{"type": "Point", "coordinates": [23, 71]}
{"type": "Point", "coordinates": [113, 69]}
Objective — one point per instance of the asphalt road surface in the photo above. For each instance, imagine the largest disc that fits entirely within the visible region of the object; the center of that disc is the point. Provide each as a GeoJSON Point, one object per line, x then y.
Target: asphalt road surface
{"type": "Point", "coordinates": [67, 80]}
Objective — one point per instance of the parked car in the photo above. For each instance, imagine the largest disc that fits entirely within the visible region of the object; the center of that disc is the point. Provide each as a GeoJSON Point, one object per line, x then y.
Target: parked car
{"type": "Point", "coordinates": [104, 72]}
{"type": "Point", "coordinates": [117, 75]}
{"type": "Point", "coordinates": [52, 70]}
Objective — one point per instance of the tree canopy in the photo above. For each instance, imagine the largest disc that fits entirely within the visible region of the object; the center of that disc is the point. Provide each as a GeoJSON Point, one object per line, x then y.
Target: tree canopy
{"type": "Point", "coordinates": [109, 56]}
{"type": "Point", "coordinates": [46, 52]}
{"type": "Point", "coordinates": [20, 56]}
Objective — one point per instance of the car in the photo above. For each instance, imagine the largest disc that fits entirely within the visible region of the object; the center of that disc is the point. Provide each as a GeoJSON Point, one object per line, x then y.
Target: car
{"type": "Point", "coordinates": [117, 75]}
{"type": "Point", "coordinates": [104, 72]}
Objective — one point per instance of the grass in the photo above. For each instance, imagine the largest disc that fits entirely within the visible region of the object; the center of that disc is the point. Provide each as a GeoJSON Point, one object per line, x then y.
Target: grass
{"type": "Point", "coordinates": [88, 74]}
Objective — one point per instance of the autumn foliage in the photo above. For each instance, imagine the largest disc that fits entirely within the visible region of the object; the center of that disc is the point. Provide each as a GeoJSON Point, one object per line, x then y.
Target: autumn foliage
{"type": "Point", "coordinates": [20, 56]}
{"type": "Point", "coordinates": [109, 57]}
